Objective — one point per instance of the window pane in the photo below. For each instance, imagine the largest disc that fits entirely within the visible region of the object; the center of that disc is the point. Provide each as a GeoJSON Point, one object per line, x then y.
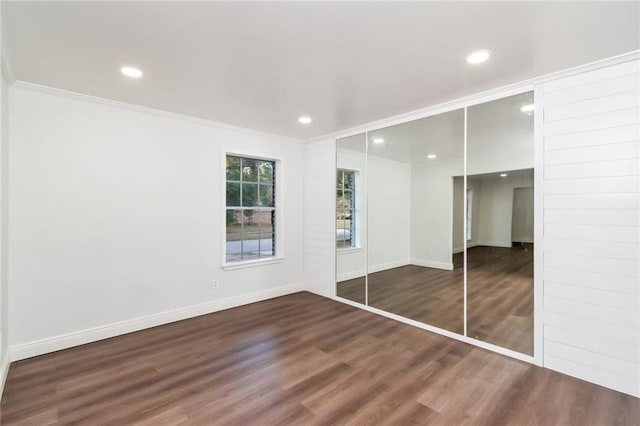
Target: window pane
{"type": "Point", "coordinates": [249, 231]}
{"type": "Point", "coordinates": [233, 168]}
{"type": "Point", "coordinates": [266, 195]}
{"type": "Point", "coordinates": [249, 195]}
{"type": "Point", "coordinates": [249, 170]}
{"type": "Point", "coordinates": [233, 195]}
{"type": "Point", "coordinates": [342, 203]}
{"type": "Point", "coordinates": [339, 179]}
{"type": "Point", "coordinates": [234, 235]}
{"type": "Point", "coordinates": [266, 172]}
{"type": "Point", "coordinates": [266, 234]}
{"type": "Point", "coordinates": [349, 180]}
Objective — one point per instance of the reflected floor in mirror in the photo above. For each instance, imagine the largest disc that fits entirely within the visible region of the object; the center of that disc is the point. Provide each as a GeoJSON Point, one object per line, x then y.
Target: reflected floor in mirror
{"type": "Point", "coordinates": [353, 289]}
{"type": "Point", "coordinates": [429, 295]}
{"type": "Point", "coordinates": [500, 295]}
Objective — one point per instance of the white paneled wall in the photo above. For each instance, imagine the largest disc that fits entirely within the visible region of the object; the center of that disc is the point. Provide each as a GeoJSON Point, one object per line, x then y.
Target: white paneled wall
{"type": "Point", "coordinates": [592, 226]}
{"type": "Point", "coordinates": [319, 214]}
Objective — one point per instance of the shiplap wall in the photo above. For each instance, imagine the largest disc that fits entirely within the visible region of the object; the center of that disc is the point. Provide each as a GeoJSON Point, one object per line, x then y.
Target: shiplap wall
{"type": "Point", "coordinates": [592, 226]}
{"type": "Point", "coordinates": [319, 214]}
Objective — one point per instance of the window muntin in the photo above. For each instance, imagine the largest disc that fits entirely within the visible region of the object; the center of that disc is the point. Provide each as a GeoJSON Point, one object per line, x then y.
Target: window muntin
{"type": "Point", "coordinates": [345, 208]}
{"type": "Point", "coordinates": [250, 208]}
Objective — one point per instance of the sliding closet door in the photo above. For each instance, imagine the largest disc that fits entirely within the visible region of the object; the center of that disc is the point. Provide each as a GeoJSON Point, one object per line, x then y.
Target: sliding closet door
{"type": "Point", "coordinates": [499, 222]}
{"type": "Point", "coordinates": [415, 220]}
{"type": "Point", "coordinates": [351, 218]}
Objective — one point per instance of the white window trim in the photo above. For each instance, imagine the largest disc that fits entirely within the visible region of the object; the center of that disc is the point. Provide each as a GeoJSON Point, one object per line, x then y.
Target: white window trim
{"type": "Point", "coordinates": [279, 200]}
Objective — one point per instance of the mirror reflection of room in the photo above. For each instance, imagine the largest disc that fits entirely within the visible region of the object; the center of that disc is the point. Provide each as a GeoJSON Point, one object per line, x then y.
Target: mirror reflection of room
{"type": "Point", "coordinates": [351, 218]}
{"type": "Point", "coordinates": [500, 258]}
{"type": "Point", "coordinates": [499, 218]}
{"type": "Point", "coordinates": [413, 271]}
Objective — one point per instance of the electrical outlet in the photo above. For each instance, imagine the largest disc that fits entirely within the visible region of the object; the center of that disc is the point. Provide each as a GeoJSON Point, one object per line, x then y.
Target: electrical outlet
{"type": "Point", "coordinates": [215, 284]}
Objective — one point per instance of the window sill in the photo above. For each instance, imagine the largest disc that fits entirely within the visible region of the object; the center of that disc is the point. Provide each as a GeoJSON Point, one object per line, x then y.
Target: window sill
{"type": "Point", "coordinates": [251, 263]}
{"type": "Point", "coordinates": [349, 250]}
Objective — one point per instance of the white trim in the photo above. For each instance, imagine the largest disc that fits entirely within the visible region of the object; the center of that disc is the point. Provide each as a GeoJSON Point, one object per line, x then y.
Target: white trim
{"type": "Point", "coordinates": [347, 250]}
{"type": "Point", "coordinates": [494, 244]}
{"type": "Point", "coordinates": [465, 257]}
{"type": "Point", "coordinates": [5, 363]}
{"type": "Point", "coordinates": [64, 341]}
{"type": "Point", "coordinates": [251, 263]}
{"type": "Point", "coordinates": [432, 264]}
{"type": "Point", "coordinates": [538, 227]}
{"type": "Point", "coordinates": [279, 253]}
{"type": "Point", "coordinates": [118, 104]}
{"type": "Point", "coordinates": [389, 265]}
{"type": "Point", "coordinates": [477, 98]}
{"type": "Point", "coordinates": [345, 276]}
{"type": "Point", "coordinates": [446, 333]}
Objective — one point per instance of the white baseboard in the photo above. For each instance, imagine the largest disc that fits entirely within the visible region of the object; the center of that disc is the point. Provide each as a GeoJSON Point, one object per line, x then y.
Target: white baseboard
{"type": "Point", "coordinates": [495, 243]}
{"type": "Point", "coordinates": [4, 370]}
{"type": "Point", "coordinates": [351, 275]}
{"type": "Point", "coordinates": [390, 265]}
{"type": "Point", "coordinates": [372, 269]}
{"type": "Point", "coordinates": [432, 264]}
{"type": "Point", "coordinates": [56, 343]}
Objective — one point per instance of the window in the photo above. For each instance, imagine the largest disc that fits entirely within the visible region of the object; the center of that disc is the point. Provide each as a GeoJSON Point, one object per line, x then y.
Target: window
{"type": "Point", "coordinates": [250, 208]}
{"type": "Point", "coordinates": [345, 209]}
{"type": "Point", "coordinates": [469, 214]}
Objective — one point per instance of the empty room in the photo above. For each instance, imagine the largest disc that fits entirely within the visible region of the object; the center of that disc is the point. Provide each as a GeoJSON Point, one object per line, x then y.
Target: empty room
{"type": "Point", "coordinates": [297, 213]}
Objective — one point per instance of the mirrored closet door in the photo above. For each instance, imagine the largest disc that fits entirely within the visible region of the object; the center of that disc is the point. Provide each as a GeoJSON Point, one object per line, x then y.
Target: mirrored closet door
{"type": "Point", "coordinates": [413, 270]}
{"type": "Point", "coordinates": [351, 218]}
{"type": "Point", "coordinates": [500, 206]}
{"type": "Point", "coordinates": [413, 222]}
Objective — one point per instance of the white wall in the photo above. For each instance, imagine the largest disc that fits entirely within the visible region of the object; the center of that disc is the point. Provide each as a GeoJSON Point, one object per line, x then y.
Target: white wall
{"type": "Point", "coordinates": [492, 207]}
{"type": "Point", "coordinates": [592, 226]}
{"type": "Point", "coordinates": [388, 211]}
{"type": "Point", "coordinates": [116, 214]}
{"type": "Point", "coordinates": [320, 217]}
{"type": "Point", "coordinates": [432, 212]}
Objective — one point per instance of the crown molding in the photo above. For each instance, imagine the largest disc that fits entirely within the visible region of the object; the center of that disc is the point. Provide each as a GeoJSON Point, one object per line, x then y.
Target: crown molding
{"type": "Point", "coordinates": [507, 90]}
{"type": "Point", "coordinates": [158, 112]}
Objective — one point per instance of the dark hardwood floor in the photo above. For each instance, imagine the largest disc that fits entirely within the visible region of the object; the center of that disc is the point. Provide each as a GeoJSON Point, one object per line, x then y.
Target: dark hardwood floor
{"type": "Point", "coordinates": [298, 359]}
{"type": "Point", "coordinates": [500, 295]}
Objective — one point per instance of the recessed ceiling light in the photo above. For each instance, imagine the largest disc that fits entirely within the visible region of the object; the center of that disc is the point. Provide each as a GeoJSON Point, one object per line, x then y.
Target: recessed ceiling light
{"type": "Point", "coordinates": [132, 72]}
{"type": "Point", "coordinates": [378, 140]}
{"type": "Point", "coordinates": [528, 108]}
{"type": "Point", "coordinates": [503, 175]}
{"type": "Point", "coordinates": [304, 120]}
{"type": "Point", "coordinates": [478, 57]}
{"type": "Point", "coordinates": [431, 156]}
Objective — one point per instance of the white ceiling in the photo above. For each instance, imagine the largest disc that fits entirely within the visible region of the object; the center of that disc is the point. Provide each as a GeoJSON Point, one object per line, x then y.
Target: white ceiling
{"type": "Point", "coordinates": [262, 65]}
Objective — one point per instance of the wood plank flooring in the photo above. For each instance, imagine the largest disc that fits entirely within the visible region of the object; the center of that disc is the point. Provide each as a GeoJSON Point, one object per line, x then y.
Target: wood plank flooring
{"type": "Point", "coordinates": [299, 359]}
{"type": "Point", "coordinates": [500, 295]}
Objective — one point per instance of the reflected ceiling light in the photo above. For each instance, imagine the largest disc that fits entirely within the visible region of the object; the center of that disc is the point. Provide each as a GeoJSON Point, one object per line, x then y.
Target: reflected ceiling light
{"type": "Point", "coordinates": [528, 108]}
{"type": "Point", "coordinates": [431, 156]}
{"type": "Point", "coordinates": [132, 72]}
{"type": "Point", "coordinates": [503, 175]}
{"type": "Point", "coordinates": [378, 140]}
{"type": "Point", "coordinates": [478, 56]}
{"type": "Point", "coordinates": [304, 119]}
